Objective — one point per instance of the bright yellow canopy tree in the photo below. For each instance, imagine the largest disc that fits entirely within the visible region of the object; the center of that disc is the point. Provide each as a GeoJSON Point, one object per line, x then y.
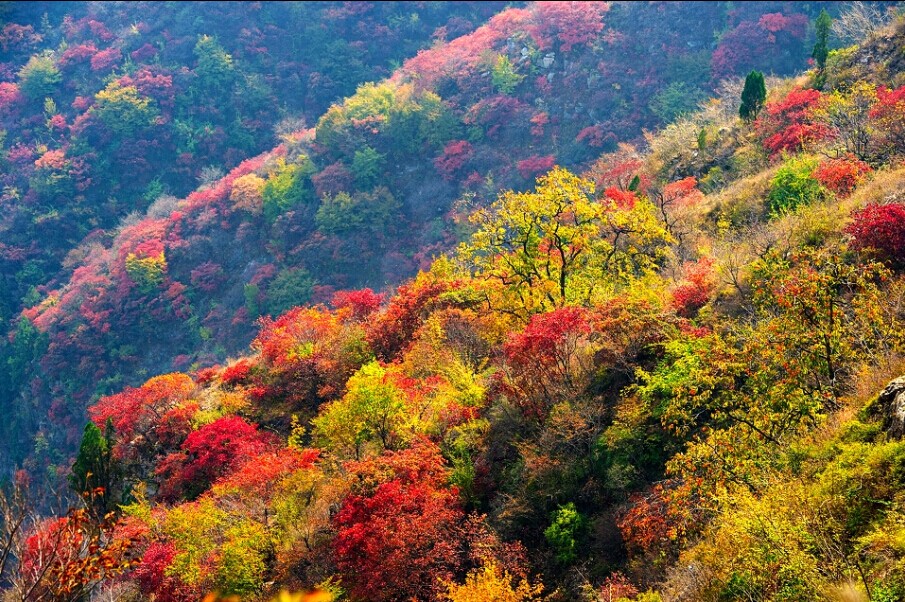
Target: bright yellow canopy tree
{"type": "Point", "coordinates": [561, 245]}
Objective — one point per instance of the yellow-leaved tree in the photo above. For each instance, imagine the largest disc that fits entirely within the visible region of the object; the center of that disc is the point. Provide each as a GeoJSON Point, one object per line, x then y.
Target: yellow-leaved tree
{"type": "Point", "coordinates": [561, 245]}
{"type": "Point", "coordinates": [493, 583]}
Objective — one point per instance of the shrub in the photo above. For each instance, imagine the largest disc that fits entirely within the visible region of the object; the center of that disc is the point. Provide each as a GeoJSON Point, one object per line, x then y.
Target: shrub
{"type": "Point", "coordinates": [841, 176]}
{"type": "Point", "coordinates": [39, 77]}
{"type": "Point", "coordinates": [794, 186]}
{"type": "Point", "coordinates": [880, 230]}
{"type": "Point", "coordinates": [534, 166]}
{"type": "Point", "coordinates": [455, 155]}
{"type": "Point", "coordinates": [566, 527]}
{"type": "Point", "coordinates": [786, 124]}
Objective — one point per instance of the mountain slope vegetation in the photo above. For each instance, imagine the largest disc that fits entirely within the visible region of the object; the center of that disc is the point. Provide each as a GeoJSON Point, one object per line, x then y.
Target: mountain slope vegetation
{"type": "Point", "coordinates": [382, 183]}
{"type": "Point", "coordinates": [619, 365]}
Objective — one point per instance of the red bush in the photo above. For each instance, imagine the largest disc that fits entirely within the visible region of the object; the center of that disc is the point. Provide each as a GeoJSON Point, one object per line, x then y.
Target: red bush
{"type": "Point", "coordinates": [135, 410]}
{"type": "Point", "coordinates": [260, 474]}
{"type": "Point", "coordinates": [176, 424]}
{"type": "Point", "coordinates": [237, 373]}
{"type": "Point", "coordinates": [153, 579]}
{"type": "Point", "coordinates": [333, 179]}
{"type": "Point", "coordinates": [145, 52]}
{"type": "Point", "coordinates": [539, 122]}
{"type": "Point", "coordinates": [77, 54]}
{"type": "Point", "coordinates": [542, 340]}
{"type": "Point", "coordinates": [547, 362]}
{"type": "Point", "coordinates": [786, 124]}
{"type": "Point", "coordinates": [774, 38]}
{"type": "Point", "coordinates": [209, 453]}
{"type": "Point", "coordinates": [279, 340]}
{"type": "Point", "coordinates": [889, 116]}
{"type": "Point", "coordinates": [359, 304]}
{"type": "Point", "coordinates": [390, 331]}
{"type": "Point", "coordinates": [569, 23]}
{"type": "Point", "coordinates": [105, 59]}
{"type": "Point", "coordinates": [455, 155]}
{"type": "Point", "coordinates": [206, 375]}
{"type": "Point", "coordinates": [534, 166]}
{"type": "Point", "coordinates": [9, 95]}
{"type": "Point", "coordinates": [208, 276]}
{"type": "Point", "coordinates": [655, 523]}
{"type": "Point", "coordinates": [617, 587]}
{"type": "Point", "coordinates": [880, 231]}
{"type": "Point", "coordinates": [624, 199]}
{"type": "Point", "coordinates": [841, 175]}
{"type": "Point", "coordinates": [695, 290]}
{"type": "Point", "coordinates": [401, 532]}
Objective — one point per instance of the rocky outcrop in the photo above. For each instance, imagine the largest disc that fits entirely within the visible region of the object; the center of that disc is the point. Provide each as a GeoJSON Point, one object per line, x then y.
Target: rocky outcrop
{"type": "Point", "coordinates": [890, 407]}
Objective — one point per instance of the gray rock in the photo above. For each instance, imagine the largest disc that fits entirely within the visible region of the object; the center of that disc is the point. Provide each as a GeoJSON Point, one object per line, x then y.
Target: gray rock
{"type": "Point", "coordinates": [891, 407]}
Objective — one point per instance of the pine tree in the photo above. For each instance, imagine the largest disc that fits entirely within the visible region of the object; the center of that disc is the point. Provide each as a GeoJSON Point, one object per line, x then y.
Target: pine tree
{"type": "Point", "coordinates": [820, 52]}
{"type": "Point", "coordinates": [753, 96]}
{"type": "Point", "coordinates": [93, 472]}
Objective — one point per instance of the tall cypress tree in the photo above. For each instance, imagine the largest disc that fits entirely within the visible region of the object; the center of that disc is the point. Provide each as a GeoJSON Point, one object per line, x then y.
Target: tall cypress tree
{"type": "Point", "coordinates": [93, 472]}
{"type": "Point", "coordinates": [753, 96]}
{"type": "Point", "coordinates": [821, 51]}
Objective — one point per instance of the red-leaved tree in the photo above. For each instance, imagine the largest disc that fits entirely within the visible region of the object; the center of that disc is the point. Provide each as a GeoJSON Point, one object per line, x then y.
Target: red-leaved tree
{"type": "Point", "coordinates": [209, 453]}
{"type": "Point", "coordinates": [153, 579]}
{"type": "Point", "coordinates": [548, 362]}
{"type": "Point", "coordinates": [401, 532]}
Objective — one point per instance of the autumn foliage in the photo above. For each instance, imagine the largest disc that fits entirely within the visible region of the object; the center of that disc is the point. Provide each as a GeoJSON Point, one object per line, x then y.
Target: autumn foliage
{"type": "Point", "coordinates": [452, 337]}
{"type": "Point", "coordinates": [880, 230]}
{"type": "Point", "coordinates": [695, 289]}
{"type": "Point", "coordinates": [210, 452]}
{"type": "Point", "coordinates": [402, 535]}
{"type": "Point", "coordinates": [65, 558]}
{"type": "Point", "coordinates": [786, 124]}
{"type": "Point", "coordinates": [842, 176]}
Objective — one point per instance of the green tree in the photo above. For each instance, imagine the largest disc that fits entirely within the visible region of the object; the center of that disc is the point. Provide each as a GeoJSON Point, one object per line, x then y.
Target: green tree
{"type": "Point", "coordinates": [27, 345]}
{"type": "Point", "coordinates": [290, 288]}
{"type": "Point", "coordinates": [39, 77]}
{"type": "Point", "coordinates": [503, 75]}
{"type": "Point", "coordinates": [214, 69]}
{"type": "Point", "coordinates": [566, 528]}
{"type": "Point", "coordinates": [753, 96]}
{"type": "Point", "coordinates": [367, 165]}
{"type": "Point", "coordinates": [675, 100]}
{"type": "Point", "coordinates": [93, 473]}
{"type": "Point", "coordinates": [794, 186]}
{"type": "Point", "coordinates": [821, 51]}
{"type": "Point", "coordinates": [375, 212]}
{"type": "Point", "coordinates": [123, 110]}
{"type": "Point", "coordinates": [288, 185]}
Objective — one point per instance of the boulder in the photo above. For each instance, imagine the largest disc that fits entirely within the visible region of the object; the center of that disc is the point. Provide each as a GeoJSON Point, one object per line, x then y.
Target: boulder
{"type": "Point", "coordinates": [891, 407]}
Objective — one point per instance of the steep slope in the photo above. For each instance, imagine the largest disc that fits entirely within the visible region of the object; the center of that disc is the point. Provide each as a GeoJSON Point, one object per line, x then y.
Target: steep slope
{"type": "Point", "coordinates": [364, 199]}
{"type": "Point", "coordinates": [107, 106]}
{"type": "Point", "coordinates": [658, 375]}
{"type": "Point", "coordinates": [610, 387]}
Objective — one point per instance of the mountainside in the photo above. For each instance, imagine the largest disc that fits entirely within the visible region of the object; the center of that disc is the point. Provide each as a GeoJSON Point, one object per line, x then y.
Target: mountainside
{"type": "Point", "coordinates": [108, 106]}
{"type": "Point", "coordinates": [561, 310]}
{"type": "Point", "coordinates": [366, 198]}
